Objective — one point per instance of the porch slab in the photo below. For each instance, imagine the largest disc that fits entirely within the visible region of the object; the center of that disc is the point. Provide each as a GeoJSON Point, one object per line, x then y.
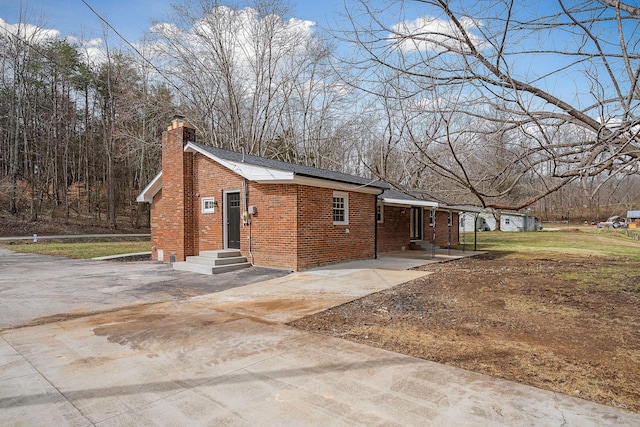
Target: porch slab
{"type": "Point", "coordinates": [300, 294]}
{"type": "Point", "coordinates": [398, 260]}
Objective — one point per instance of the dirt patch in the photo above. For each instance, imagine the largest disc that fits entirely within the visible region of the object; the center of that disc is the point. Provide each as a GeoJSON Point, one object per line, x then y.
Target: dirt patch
{"type": "Point", "coordinates": [140, 328]}
{"type": "Point", "coordinates": [533, 321]}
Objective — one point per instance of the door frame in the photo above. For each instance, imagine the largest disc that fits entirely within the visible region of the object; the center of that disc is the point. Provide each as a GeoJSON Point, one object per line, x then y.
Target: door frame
{"type": "Point", "coordinates": [419, 223]}
{"type": "Point", "coordinates": [225, 217]}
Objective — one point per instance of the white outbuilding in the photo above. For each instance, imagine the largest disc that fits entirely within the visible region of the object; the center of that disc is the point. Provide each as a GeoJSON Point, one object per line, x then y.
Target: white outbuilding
{"type": "Point", "coordinates": [509, 221]}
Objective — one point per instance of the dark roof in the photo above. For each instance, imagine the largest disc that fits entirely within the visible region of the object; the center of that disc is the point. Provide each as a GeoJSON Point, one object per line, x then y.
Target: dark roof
{"type": "Point", "coordinates": [395, 194]}
{"type": "Point", "coordinates": [308, 171]}
{"type": "Point", "coordinates": [412, 195]}
{"type": "Point", "coordinates": [423, 195]}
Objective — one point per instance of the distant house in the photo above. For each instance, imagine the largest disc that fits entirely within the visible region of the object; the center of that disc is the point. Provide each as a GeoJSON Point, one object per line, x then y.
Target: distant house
{"type": "Point", "coordinates": [633, 216]}
{"type": "Point", "coordinates": [279, 214]}
{"type": "Point", "coordinates": [633, 219]}
{"type": "Point", "coordinates": [509, 221]}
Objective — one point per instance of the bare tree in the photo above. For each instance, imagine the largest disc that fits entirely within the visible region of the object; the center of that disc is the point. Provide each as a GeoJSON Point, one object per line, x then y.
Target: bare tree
{"type": "Point", "coordinates": [253, 79]}
{"type": "Point", "coordinates": [19, 48]}
{"type": "Point", "coordinates": [80, 126]}
{"type": "Point", "coordinates": [510, 102]}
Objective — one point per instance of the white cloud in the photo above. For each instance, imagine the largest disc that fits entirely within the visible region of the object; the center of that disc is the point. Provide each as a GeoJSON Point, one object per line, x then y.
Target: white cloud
{"type": "Point", "coordinates": [237, 38]}
{"type": "Point", "coordinates": [91, 50]}
{"type": "Point", "coordinates": [28, 32]}
{"type": "Point", "coordinates": [434, 34]}
{"type": "Point", "coordinates": [237, 31]}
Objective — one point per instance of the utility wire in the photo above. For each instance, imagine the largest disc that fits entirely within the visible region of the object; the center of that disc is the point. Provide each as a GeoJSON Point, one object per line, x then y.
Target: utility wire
{"type": "Point", "coordinates": [134, 48]}
{"type": "Point", "coordinates": [31, 46]}
{"type": "Point", "coordinates": [49, 58]}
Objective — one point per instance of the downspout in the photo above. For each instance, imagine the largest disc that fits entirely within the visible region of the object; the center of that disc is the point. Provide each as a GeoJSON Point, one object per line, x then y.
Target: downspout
{"type": "Point", "coordinates": [375, 225]}
{"type": "Point", "coordinates": [246, 215]}
{"type": "Point", "coordinates": [250, 253]}
{"type": "Point", "coordinates": [433, 232]}
{"type": "Point", "coordinates": [450, 225]}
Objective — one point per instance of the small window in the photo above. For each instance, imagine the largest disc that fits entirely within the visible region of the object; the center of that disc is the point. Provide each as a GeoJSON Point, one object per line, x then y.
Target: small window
{"type": "Point", "coordinates": [507, 221]}
{"type": "Point", "coordinates": [450, 219]}
{"type": "Point", "coordinates": [340, 208]}
{"type": "Point", "coordinates": [380, 212]}
{"type": "Point", "coordinates": [432, 218]}
{"type": "Point", "coordinates": [208, 205]}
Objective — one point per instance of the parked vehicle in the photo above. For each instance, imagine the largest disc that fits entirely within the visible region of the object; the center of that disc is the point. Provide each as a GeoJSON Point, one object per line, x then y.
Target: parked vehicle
{"type": "Point", "coordinates": [613, 222]}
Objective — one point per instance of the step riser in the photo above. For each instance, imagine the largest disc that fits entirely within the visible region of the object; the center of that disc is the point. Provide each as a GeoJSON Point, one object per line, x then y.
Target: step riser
{"type": "Point", "coordinates": [224, 253]}
{"type": "Point", "coordinates": [193, 268]}
{"type": "Point", "coordinates": [422, 246]}
{"type": "Point", "coordinates": [209, 270]}
{"type": "Point", "coordinates": [213, 262]}
{"type": "Point", "coordinates": [230, 267]}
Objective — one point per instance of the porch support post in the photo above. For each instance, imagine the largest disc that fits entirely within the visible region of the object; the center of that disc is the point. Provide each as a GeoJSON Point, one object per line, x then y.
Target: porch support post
{"type": "Point", "coordinates": [433, 232]}
{"type": "Point", "coordinates": [475, 232]}
{"type": "Point", "coordinates": [449, 224]}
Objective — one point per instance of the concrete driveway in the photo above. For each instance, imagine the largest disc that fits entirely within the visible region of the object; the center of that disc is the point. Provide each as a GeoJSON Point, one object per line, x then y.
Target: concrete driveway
{"type": "Point", "coordinates": [226, 358]}
{"type": "Point", "coordinates": [38, 289]}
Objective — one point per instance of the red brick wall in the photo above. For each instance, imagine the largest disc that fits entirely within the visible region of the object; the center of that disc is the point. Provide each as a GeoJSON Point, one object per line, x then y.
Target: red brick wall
{"type": "Point", "coordinates": [211, 180]}
{"type": "Point", "coordinates": [172, 219]}
{"type": "Point", "coordinates": [293, 227]}
{"type": "Point", "coordinates": [442, 229]}
{"type": "Point", "coordinates": [273, 228]}
{"type": "Point", "coordinates": [394, 232]}
{"type": "Point", "coordinates": [320, 242]}
{"type": "Point", "coordinates": [157, 232]}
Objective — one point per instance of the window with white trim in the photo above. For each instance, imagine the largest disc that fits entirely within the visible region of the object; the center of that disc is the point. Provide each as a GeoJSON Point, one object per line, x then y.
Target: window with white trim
{"type": "Point", "coordinates": [450, 219]}
{"type": "Point", "coordinates": [380, 213]}
{"type": "Point", "coordinates": [340, 208]}
{"type": "Point", "coordinates": [208, 205]}
{"type": "Point", "coordinates": [432, 218]}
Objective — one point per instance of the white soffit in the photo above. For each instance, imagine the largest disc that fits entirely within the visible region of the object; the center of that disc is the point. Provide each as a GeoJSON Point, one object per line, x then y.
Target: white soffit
{"type": "Point", "coordinates": [334, 185]}
{"type": "Point", "coordinates": [250, 172]}
{"type": "Point", "coordinates": [471, 209]}
{"type": "Point", "coordinates": [263, 175]}
{"type": "Point", "coordinates": [405, 202]}
{"type": "Point", "coordinates": [150, 190]}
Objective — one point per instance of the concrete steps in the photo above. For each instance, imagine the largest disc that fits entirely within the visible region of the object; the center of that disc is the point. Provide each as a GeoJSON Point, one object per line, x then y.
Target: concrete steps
{"type": "Point", "coordinates": [422, 245]}
{"type": "Point", "coordinates": [213, 262]}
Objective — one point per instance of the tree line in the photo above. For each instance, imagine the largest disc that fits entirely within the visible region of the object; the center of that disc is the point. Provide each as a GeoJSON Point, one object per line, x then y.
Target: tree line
{"type": "Point", "coordinates": [76, 138]}
{"type": "Point", "coordinates": [441, 103]}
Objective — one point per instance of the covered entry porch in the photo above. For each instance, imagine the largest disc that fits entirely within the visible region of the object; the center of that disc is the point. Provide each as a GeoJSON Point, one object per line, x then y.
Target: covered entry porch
{"type": "Point", "coordinates": [406, 223]}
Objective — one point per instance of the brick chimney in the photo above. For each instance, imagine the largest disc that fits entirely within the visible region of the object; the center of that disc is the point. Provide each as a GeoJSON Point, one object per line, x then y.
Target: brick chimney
{"type": "Point", "coordinates": [176, 221]}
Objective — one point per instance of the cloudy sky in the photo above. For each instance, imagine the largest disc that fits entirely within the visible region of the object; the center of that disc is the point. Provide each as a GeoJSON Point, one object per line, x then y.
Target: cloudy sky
{"type": "Point", "coordinates": [75, 20]}
{"type": "Point", "coordinates": [130, 17]}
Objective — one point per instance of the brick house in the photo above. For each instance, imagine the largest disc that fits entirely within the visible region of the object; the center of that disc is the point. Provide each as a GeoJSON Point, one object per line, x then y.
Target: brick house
{"type": "Point", "coordinates": [277, 214]}
{"type": "Point", "coordinates": [407, 222]}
